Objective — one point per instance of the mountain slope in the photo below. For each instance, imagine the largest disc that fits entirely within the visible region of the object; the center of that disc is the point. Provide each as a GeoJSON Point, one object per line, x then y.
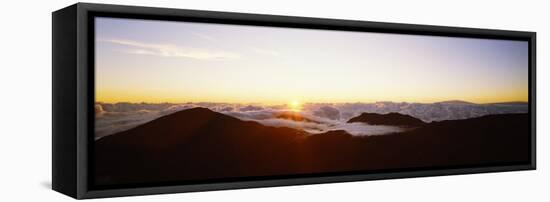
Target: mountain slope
{"type": "Point", "coordinates": [195, 144]}
{"type": "Point", "coordinates": [199, 144]}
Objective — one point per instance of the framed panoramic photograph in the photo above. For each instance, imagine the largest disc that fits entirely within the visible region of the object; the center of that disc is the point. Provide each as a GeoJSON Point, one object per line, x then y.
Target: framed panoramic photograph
{"type": "Point", "coordinates": [154, 100]}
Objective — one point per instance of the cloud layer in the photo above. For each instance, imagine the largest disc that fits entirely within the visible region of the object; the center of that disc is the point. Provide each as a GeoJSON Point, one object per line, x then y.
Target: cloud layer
{"type": "Point", "coordinates": [314, 118]}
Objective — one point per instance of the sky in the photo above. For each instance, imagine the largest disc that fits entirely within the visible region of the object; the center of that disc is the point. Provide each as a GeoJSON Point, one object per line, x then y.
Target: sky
{"type": "Point", "coordinates": [162, 61]}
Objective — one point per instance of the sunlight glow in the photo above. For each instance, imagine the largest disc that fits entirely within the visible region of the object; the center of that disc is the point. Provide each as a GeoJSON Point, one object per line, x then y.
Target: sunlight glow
{"type": "Point", "coordinates": [295, 105]}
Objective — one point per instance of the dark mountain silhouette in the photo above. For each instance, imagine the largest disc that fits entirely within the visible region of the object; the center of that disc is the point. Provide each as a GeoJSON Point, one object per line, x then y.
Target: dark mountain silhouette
{"type": "Point", "coordinates": [199, 144]}
{"type": "Point", "coordinates": [196, 144]}
{"type": "Point", "coordinates": [394, 119]}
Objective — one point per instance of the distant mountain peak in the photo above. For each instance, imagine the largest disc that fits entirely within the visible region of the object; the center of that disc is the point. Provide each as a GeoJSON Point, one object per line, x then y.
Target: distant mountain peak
{"type": "Point", "coordinates": [393, 119]}
{"type": "Point", "coordinates": [203, 113]}
{"type": "Point", "coordinates": [197, 109]}
{"type": "Point", "coordinates": [455, 102]}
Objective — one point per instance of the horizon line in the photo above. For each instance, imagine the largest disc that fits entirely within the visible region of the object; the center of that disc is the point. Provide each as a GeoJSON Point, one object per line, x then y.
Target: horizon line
{"type": "Point", "coordinates": [304, 103]}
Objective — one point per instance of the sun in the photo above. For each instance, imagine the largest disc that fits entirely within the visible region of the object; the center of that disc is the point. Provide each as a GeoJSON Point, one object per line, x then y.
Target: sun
{"type": "Point", "coordinates": [295, 105]}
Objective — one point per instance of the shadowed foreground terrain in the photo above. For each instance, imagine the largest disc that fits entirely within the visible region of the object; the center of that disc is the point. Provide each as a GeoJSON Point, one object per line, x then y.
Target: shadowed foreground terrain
{"type": "Point", "coordinates": [197, 144]}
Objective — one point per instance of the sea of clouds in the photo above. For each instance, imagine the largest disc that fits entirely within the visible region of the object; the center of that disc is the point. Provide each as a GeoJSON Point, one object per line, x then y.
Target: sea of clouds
{"type": "Point", "coordinates": [316, 117]}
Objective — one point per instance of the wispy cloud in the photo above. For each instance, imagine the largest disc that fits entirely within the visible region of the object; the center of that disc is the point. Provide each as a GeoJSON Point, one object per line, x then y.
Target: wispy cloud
{"type": "Point", "coordinates": [171, 50]}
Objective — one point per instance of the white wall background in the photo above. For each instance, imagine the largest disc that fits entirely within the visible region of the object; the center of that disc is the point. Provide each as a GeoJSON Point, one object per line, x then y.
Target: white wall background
{"type": "Point", "coordinates": [25, 100]}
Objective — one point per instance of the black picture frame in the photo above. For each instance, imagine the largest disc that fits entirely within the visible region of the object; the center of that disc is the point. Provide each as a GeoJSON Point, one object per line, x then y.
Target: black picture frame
{"type": "Point", "coordinates": [73, 96]}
